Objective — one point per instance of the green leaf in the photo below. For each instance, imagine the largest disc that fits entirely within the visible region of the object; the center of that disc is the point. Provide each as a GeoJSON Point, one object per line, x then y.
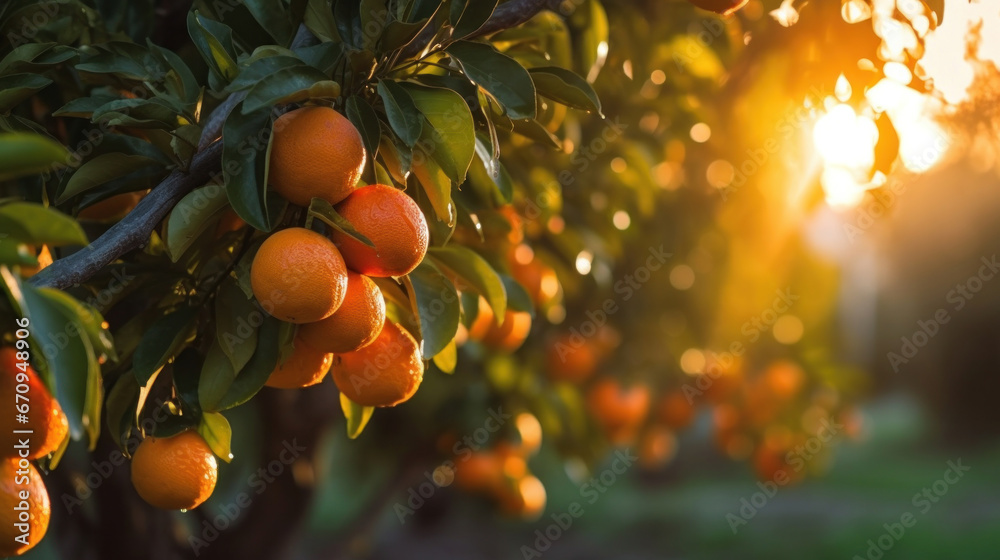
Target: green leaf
{"type": "Point", "coordinates": [357, 416]}
{"type": "Point", "coordinates": [217, 376]}
{"type": "Point", "coordinates": [447, 359]}
{"type": "Point", "coordinates": [246, 140]}
{"type": "Point", "coordinates": [591, 44]}
{"type": "Point", "coordinates": [500, 75]}
{"type": "Point", "coordinates": [470, 267]}
{"type": "Point", "coordinates": [192, 216]}
{"type": "Point", "coordinates": [214, 41]}
{"type": "Point", "coordinates": [120, 408]}
{"type": "Point", "coordinates": [517, 297]}
{"type": "Point", "coordinates": [69, 356]}
{"type": "Point", "coordinates": [435, 182]}
{"type": "Point", "coordinates": [434, 301]}
{"type": "Point", "coordinates": [374, 18]}
{"type": "Point", "coordinates": [33, 57]}
{"type": "Point", "coordinates": [36, 224]}
{"type": "Point", "coordinates": [323, 57]}
{"type": "Point", "coordinates": [18, 87]}
{"type": "Point", "coordinates": [451, 136]}
{"type": "Point", "coordinates": [272, 335]}
{"type": "Point", "coordinates": [398, 34]}
{"type": "Point", "coordinates": [102, 169]}
{"type": "Point", "coordinates": [217, 433]}
{"type": "Point", "coordinates": [404, 118]}
{"type": "Point", "coordinates": [566, 87]}
{"type": "Point", "coordinates": [139, 113]}
{"type": "Point", "coordinates": [347, 14]}
{"type": "Point", "coordinates": [84, 107]}
{"type": "Point", "coordinates": [13, 252]}
{"type": "Point", "coordinates": [322, 210]}
{"type": "Point", "coordinates": [273, 18]}
{"type": "Point", "coordinates": [286, 85]}
{"type": "Point", "coordinates": [474, 14]}
{"type": "Point", "coordinates": [253, 72]}
{"type": "Point", "coordinates": [162, 341]}
{"type": "Point", "coordinates": [318, 18]}
{"type": "Point", "coordinates": [23, 153]}
{"type": "Point", "coordinates": [364, 118]}
{"type": "Point", "coordinates": [235, 316]}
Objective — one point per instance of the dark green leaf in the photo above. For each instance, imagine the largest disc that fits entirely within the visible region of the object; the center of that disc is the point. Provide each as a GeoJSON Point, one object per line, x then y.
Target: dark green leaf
{"type": "Point", "coordinates": [36, 224]}
{"type": "Point", "coordinates": [139, 113]}
{"type": "Point", "coordinates": [435, 303]}
{"type": "Point", "coordinates": [246, 140]}
{"type": "Point", "coordinates": [101, 169]}
{"type": "Point", "coordinates": [283, 86]}
{"type": "Point", "coordinates": [120, 408]}
{"type": "Point", "coordinates": [273, 18]}
{"type": "Point", "coordinates": [248, 382]}
{"type": "Point", "coordinates": [323, 57]}
{"type": "Point", "coordinates": [473, 16]}
{"type": "Point", "coordinates": [162, 341]}
{"type": "Point", "coordinates": [566, 87]}
{"type": "Point", "coordinates": [500, 75]}
{"type": "Point", "coordinates": [214, 40]}
{"type": "Point", "coordinates": [18, 87]}
{"type": "Point", "coordinates": [23, 153]}
{"type": "Point", "coordinates": [235, 315]}
{"type": "Point", "coordinates": [318, 18]}
{"type": "Point", "coordinates": [451, 136]}
{"type": "Point", "coordinates": [85, 106]}
{"type": "Point", "coordinates": [217, 376]}
{"type": "Point", "coordinates": [193, 215]}
{"type": "Point", "coordinates": [474, 270]}
{"type": "Point", "coordinates": [404, 118]}
{"type": "Point", "coordinates": [364, 118]}
{"type": "Point", "coordinates": [517, 297]}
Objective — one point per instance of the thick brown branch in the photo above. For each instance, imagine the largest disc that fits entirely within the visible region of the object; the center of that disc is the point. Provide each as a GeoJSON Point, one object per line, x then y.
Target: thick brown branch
{"type": "Point", "coordinates": [134, 229]}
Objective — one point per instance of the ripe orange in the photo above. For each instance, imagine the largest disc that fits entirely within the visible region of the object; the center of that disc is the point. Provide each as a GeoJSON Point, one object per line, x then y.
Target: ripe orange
{"type": "Point", "coordinates": [385, 373]}
{"type": "Point", "coordinates": [676, 411]}
{"type": "Point", "coordinates": [657, 447]}
{"type": "Point", "coordinates": [507, 337]}
{"type": "Point", "coordinates": [482, 470]}
{"type": "Point", "coordinates": [111, 209]}
{"type": "Point", "coordinates": [537, 278]}
{"type": "Point", "coordinates": [355, 324]}
{"type": "Point", "coordinates": [784, 379]}
{"type": "Point", "coordinates": [530, 432]}
{"type": "Point", "coordinates": [724, 7]}
{"type": "Point", "coordinates": [525, 498]}
{"type": "Point", "coordinates": [298, 276]}
{"type": "Point", "coordinates": [316, 152]}
{"type": "Point", "coordinates": [394, 224]}
{"type": "Point", "coordinates": [568, 359]}
{"type": "Point", "coordinates": [16, 478]}
{"type": "Point", "coordinates": [230, 221]}
{"type": "Point", "coordinates": [46, 420]}
{"type": "Point", "coordinates": [177, 472]}
{"type": "Point", "coordinates": [617, 409]}
{"type": "Point", "coordinates": [304, 367]}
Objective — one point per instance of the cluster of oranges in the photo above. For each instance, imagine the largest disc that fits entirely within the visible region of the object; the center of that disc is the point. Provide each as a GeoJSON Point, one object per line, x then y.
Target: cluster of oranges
{"type": "Point", "coordinates": [324, 283]}
{"type": "Point", "coordinates": [24, 501]}
{"type": "Point", "coordinates": [501, 473]}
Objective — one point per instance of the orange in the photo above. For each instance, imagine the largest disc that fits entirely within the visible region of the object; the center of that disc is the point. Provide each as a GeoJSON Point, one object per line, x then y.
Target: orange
{"type": "Point", "coordinates": [176, 472]}
{"type": "Point", "coordinates": [617, 409]}
{"type": "Point", "coordinates": [17, 478]}
{"type": "Point", "coordinates": [392, 221]}
{"type": "Point", "coordinates": [482, 470]}
{"type": "Point", "coordinates": [514, 221]}
{"type": "Point", "coordinates": [230, 221]}
{"type": "Point", "coordinates": [46, 420]}
{"type": "Point", "coordinates": [304, 367]}
{"type": "Point", "coordinates": [316, 153]}
{"type": "Point", "coordinates": [385, 373]}
{"type": "Point", "coordinates": [569, 359]}
{"type": "Point", "coordinates": [676, 411]}
{"type": "Point", "coordinates": [784, 379]}
{"type": "Point", "coordinates": [657, 447]}
{"type": "Point", "coordinates": [525, 498]}
{"type": "Point", "coordinates": [724, 7]}
{"type": "Point", "coordinates": [530, 432]}
{"type": "Point", "coordinates": [298, 276]}
{"type": "Point", "coordinates": [44, 258]}
{"type": "Point", "coordinates": [355, 324]}
{"type": "Point", "coordinates": [111, 209]}
{"type": "Point", "coordinates": [507, 337]}
{"type": "Point", "coordinates": [537, 278]}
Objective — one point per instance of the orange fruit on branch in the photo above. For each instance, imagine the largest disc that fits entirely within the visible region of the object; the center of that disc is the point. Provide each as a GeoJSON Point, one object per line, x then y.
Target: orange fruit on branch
{"type": "Point", "coordinates": [176, 472]}
{"type": "Point", "coordinates": [316, 153]}
{"type": "Point", "coordinates": [45, 418]}
{"type": "Point", "coordinates": [618, 410]}
{"type": "Point", "coordinates": [298, 276]}
{"type": "Point", "coordinates": [31, 508]}
{"type": "Point", "coordinates": [356, 322]}
{"type": "Point", "coordinates": [392, 221]}
{"type": "Point", "coordinates": [385, 373]}
{"type": "Point", "coordinates": [304, 367]}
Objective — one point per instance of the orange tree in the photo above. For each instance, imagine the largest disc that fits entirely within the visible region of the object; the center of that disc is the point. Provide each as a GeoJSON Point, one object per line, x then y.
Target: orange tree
{"type": "Point", "coordinates": [206, 199]}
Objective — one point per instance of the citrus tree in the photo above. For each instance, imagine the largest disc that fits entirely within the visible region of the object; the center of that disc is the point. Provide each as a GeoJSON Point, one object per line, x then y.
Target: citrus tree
{"type": "Point", "coordinates": [467, 212]}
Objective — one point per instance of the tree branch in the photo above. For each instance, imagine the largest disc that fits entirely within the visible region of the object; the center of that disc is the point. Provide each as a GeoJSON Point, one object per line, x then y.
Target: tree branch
{"type": "Point", "coordinates": [133, 230]}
